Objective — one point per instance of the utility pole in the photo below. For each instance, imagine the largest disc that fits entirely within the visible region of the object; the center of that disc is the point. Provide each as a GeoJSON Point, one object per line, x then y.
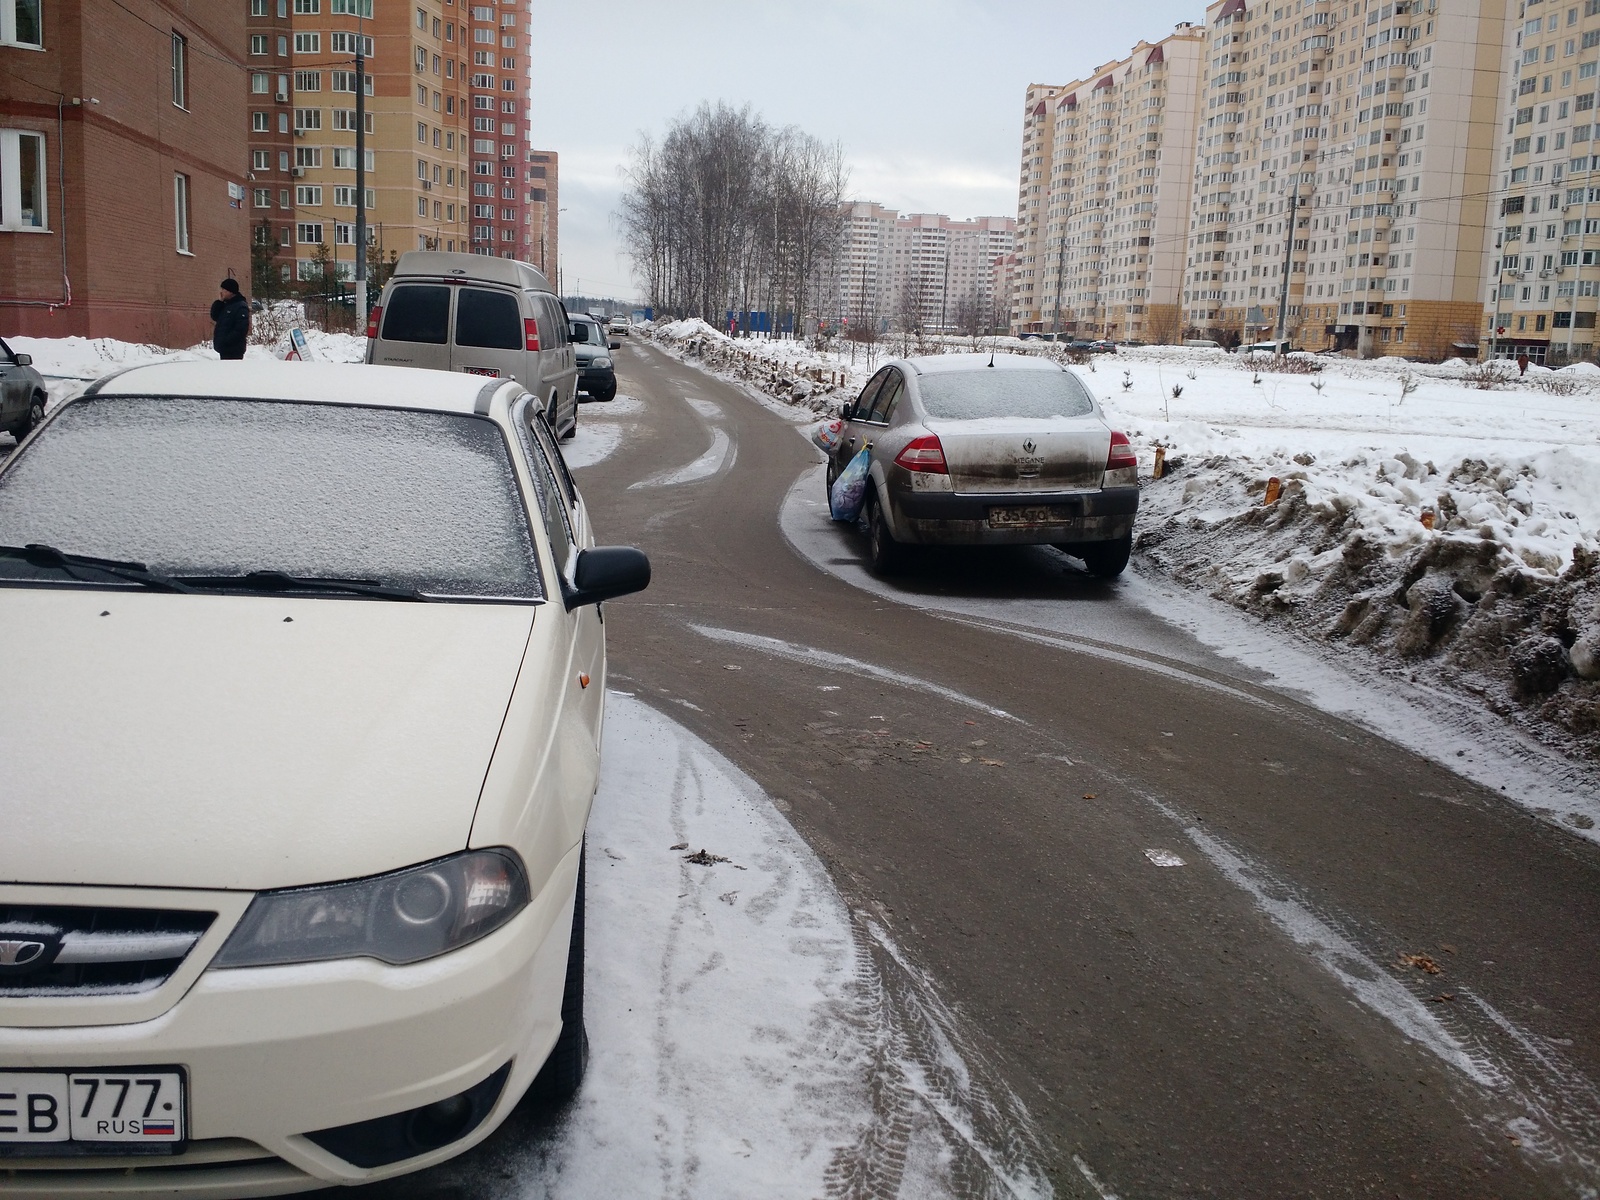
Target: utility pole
{"type": "Point", "coordinates": [1288, 252]}
{"type": "Point", "coordinates": [361, 175]}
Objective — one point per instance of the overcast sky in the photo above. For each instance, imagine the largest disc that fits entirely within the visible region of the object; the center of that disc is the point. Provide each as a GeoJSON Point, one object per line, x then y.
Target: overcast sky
{"type": "Point", "coordinates": [925, 95]}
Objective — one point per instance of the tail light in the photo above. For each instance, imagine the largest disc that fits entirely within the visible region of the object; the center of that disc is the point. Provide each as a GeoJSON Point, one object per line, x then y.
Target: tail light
{"type": "Point", "coordinates": [1121, 453]}
{"type": "Point", "coordinates": [924, 454]}
{"type": "Point", "coordinates": [530, 333]}
{"type": "Point", "coordinates": [372, 320]}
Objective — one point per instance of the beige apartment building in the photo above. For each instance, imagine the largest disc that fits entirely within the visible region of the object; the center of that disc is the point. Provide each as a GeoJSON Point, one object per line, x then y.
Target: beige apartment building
{"type": "Point", "coordinates": [1343, 146]}
{"type": "Point", "coordinates": [1543, 239]}
{"type": "Point", "coordinates": [918, 270]}
{"type": "Point", "coordinates": [1105, 188]}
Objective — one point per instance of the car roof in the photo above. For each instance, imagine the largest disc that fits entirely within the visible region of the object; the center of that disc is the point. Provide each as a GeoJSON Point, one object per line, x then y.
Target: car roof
{"type": "Point", "coordinates": [939, 364]}
{"type": "Point", "coordinates": [463, 268]}
{"type": "Point", "coordinates": [329, 383]}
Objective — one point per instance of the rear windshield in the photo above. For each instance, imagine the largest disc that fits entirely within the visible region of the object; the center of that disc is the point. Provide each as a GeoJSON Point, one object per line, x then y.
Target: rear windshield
{"type": "Point", "coordinates": [488, 319]}
{"type": "Point", "coordinates": [987, 392]}
{"type": "Point", "coordinates": [420, 500]}
{"type": "Point", "coordinates": [418, 313]}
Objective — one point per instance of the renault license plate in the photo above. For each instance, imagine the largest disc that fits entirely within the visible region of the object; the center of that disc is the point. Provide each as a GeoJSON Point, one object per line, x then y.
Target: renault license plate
{"type": "Point", "coordinates": [1037, 514]}
{"type": "Point", "coordinates": [128, 1109]}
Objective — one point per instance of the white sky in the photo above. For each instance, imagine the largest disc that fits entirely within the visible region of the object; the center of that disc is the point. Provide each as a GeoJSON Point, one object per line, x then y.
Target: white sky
{"type": "Point", "coordinates": [925, 95]}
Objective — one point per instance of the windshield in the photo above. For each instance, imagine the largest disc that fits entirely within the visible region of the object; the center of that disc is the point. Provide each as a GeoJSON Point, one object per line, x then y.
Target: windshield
{"type": "Point", "coordinates": [421, 500]}
{"type": "Point", "coordinates": [584, 332]}
{"type": "Point", "coordinates": [989, 392]}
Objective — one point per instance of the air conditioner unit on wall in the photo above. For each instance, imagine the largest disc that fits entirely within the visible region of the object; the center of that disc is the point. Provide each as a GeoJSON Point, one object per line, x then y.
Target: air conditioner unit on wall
{"type": "Point", "coordinates": [283, 97]}
{"type": "Point", "coordinates": [298, 172]}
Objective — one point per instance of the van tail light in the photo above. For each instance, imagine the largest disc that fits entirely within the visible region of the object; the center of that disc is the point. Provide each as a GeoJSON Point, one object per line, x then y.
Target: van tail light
{"type": "Point", "coordinates": [530, 332]}
{"type": "Point", "coordinates": [924, 454]}
{"type": "Point", "coordinates": [1121, 454]}
{"type": "Point", "coordinates": [372, 320]}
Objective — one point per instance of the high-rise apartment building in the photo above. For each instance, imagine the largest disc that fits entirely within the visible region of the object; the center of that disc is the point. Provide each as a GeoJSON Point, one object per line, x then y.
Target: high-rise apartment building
{"type": "Point", "coordinates": [1337, 162]}
{"type": "Point", "coordinates": [1344, 147]}
{"type": "Point", "coordinates": [544, 212]}
{"type": "Point", "coordinates": [1543, 239]}
{"type": "Point", "coordinates": [1110, 158]}
{"type": "Point", "coordinates": [446, 128]}
{"type": "Point", "coordinates": [918, 270]}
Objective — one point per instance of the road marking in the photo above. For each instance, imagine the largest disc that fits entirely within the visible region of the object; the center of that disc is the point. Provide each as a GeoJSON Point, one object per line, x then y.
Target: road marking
{"type": "Point", "coordinates": [1093, 1179]}
{"type": "Point", "coordinates": [839, 662]}
{"type": "Point", "coordinates": [715, 460]}
{"type": "Point", "coordinates": [1164, 858]}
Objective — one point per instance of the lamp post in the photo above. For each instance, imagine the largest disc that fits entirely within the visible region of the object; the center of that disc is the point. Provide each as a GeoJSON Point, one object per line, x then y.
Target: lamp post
{"type": "Point", "coordinates": [361, 173]}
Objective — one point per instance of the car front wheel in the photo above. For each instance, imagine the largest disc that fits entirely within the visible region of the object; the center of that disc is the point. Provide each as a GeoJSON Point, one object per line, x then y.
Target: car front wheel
{"type": "Point", "coordinates": [35, 415]}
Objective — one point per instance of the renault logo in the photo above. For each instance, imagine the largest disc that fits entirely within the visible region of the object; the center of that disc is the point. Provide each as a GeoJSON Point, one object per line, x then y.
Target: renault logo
{"type": "Point", "coordinates": [20, 953]}
{"type": "Point", "coordinates": [1028, 446]}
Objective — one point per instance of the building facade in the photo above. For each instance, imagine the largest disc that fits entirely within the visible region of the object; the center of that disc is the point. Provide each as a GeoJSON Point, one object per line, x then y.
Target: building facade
{"type": "Point", "coordinates": [544, 212]}
{"type": "Point", "coordinates": [122, 169]}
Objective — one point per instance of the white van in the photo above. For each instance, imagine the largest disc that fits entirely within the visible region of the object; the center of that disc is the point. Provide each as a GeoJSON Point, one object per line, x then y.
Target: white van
{"type": "Point", "coordinates": [484, 316]}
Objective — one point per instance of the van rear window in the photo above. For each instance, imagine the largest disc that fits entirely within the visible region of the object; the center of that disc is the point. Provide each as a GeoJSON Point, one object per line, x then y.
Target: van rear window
{"type": "Point", "coordinates": [417, 313]}
{"type": "Point", "coordinates": [488, 319]}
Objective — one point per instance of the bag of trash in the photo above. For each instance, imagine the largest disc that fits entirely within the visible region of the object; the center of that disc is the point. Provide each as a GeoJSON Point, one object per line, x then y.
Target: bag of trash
{"type": "Point", "coordinates": [826, 435]}
{"type": "Point", "coordinates": [850, 489]}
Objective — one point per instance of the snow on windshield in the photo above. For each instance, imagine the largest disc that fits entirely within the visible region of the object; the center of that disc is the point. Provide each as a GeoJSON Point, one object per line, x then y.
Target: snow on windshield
{"type": "Point", "coordinates": [971, 395]}
{"type": "Point", "coordinates": [423, 500]}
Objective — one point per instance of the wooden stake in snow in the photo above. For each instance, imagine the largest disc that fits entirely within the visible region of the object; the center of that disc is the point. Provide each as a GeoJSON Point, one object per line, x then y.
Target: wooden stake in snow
{"type": "Point", "coordinates": [1274, 490]}
{"type": "Point", "coordinates": [1160, 468]}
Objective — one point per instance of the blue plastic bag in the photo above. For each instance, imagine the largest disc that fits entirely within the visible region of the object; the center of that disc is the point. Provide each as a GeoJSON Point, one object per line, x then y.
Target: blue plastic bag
{"type": "Point", "coordinates": [850, 489]}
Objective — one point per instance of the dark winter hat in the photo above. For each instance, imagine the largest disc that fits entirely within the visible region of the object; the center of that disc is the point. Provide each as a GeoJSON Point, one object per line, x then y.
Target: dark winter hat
{"type": "Point", "coordinates": [230, 285]}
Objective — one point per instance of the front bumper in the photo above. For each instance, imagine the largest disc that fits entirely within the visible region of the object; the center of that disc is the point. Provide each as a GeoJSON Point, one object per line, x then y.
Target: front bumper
{"type": "Point", "coordinates": [275, 1053]}
{"type": "Point", "coordinates": [962, 518]}
{"type": "Point", "coordinates": [597, 381]}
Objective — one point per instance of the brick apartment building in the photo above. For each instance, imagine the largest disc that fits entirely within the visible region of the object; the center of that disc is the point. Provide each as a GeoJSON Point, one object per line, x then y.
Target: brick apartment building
{"type": "Point", "coordinates": [446, 129]}
{"type": "Point", "coordinates": [122, 170]}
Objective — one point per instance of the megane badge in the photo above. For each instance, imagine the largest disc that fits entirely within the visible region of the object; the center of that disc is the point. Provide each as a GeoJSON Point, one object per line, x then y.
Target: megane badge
{"type": "Point", "coordinates": [20, 953]}
{"type": "Point", "coordinates": [1028, 446]}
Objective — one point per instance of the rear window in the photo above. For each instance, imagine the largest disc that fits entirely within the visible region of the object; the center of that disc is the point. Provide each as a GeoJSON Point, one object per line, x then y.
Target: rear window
{"type": "Point", "coordinates": [988, 392]}
{"type": "Point", "coordinates": [417, 313]}
{"type": "Point", "coordinates": [419, 500]}
{"type": "Point", "coordinates": [490, 320]}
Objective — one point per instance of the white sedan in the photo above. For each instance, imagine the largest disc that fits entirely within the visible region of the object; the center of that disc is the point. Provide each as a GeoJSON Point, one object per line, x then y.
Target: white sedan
{"type": "Point", "coordinates": [303, 709]}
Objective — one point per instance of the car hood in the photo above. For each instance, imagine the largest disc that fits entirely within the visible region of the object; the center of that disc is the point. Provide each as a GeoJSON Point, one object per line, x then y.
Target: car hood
{"type": "Point", "coordinates": [243, 742]}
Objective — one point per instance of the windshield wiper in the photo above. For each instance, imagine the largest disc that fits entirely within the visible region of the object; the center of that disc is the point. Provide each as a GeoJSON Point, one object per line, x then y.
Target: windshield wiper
{"type": "Point", "coordinates": [37, 555]}
{"type": "Point", "coordinates": [277, 581]}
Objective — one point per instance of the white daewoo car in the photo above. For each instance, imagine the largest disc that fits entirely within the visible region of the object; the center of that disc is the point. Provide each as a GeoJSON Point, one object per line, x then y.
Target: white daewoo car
{"type": "Point", "coordinates": [303, 716]}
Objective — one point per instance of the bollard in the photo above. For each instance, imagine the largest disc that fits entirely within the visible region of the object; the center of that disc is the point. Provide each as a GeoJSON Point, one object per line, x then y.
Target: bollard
{"type": "Point", "coordinates": [1427, 518]}
{"type": "Point", "coordinates": [1161, 463]}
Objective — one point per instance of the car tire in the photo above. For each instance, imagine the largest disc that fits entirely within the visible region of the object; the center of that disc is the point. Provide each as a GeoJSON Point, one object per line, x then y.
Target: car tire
{"type": "Point", "coordinates": [610, 394]}
{"type": "Point", "coordinates": [558, 1080]}
{"type": "Point", "coordinates": [884, 555]}
{"type": "Point", "coordinates": [34, 417]}
{"type": "Point", "coordinates": [1105, 560]}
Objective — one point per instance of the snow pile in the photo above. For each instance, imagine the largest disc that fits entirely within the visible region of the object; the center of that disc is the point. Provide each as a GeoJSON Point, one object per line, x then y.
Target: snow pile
{"type": "Point", "coordinates": [788, 370]}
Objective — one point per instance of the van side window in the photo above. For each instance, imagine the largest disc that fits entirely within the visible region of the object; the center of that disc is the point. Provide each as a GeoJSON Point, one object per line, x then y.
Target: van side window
{"type": "Point", "coordinates": [552, 505]}
{"type": "Point", "coordinates": [559, 321]}
{"type": "Point", "coordinates": [488, 319]}
{"type": "Point", "coordinates": [417, 313]}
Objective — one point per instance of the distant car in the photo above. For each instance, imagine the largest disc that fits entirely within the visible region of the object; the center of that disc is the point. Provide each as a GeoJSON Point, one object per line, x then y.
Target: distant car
{"type": "Point", "coordinates": [597, 376]}
{"type": "Point", "coordinates": [1268, 348]}
{"type": "Point", "coordinates": [1102, 346]}
{"type": "Point", "coordinates": [298, 756]}
{"type": "Point", "coordinates": [973, 450]}
{"type": "Point", "coordinates": [22, 393]}
{"type": "Point", "coordinates": [619, 324]}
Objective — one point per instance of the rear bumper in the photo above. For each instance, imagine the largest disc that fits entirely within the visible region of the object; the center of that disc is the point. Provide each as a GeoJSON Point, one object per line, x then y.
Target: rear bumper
{"type": "Point", "coordinates": [954, 518]}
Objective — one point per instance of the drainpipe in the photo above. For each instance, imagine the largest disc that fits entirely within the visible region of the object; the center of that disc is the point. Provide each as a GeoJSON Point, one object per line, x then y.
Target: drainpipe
{"type": "Point", "coordinates": [61, 192]}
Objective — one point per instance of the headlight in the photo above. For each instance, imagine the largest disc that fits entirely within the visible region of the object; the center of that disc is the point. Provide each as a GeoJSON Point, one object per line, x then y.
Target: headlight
{"type": "Point", "coordinates": [599, 362]}
{"type": "Point", "coordinates": [403, 917]}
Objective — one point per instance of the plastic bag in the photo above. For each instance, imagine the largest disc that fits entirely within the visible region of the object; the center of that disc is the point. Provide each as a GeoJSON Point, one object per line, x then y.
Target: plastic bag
{"type": "Point", "coordinates": [827, 434]}
{"type": "Point", "coordinates": [850, 489]}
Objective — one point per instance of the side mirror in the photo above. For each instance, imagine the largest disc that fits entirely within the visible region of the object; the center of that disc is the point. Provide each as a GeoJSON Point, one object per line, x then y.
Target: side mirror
{"type": "Point", "coordinates": [606, 572]}
{"type": "Point", "coordinates": [23, 360]}
{"type": "Point", "coordinates": [616, 345]}
{"type": "Point", "coordinates": [848, 412]}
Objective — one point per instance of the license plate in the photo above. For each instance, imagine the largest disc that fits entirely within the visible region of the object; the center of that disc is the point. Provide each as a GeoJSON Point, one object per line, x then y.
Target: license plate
{"type": "Point", "coordinates": [126, 1108]}
{"type": "Point", "coordinates": [491, 372]}
{"type": "Point", "coordinates": [1034, 515]}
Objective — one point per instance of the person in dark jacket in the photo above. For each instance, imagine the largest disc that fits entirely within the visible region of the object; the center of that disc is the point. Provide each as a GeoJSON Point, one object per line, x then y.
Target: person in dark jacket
{"type": "Point", "coordinates": [230, 312]}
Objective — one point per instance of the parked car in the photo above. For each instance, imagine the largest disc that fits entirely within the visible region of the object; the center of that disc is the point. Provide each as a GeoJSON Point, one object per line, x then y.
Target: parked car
{"type": "Point", "coordinates": [597, 377]}
{"type": "Point", "coordinates": [1102, 346]}
{"type": "Point", "coordinates": [970, 450]}
{"type": "Point", "coordinates": [299, 754]}
{"type": "Point", "coordinates": [494, 317]}
{"type": "Point", "coordinates": [619, 324]}
{"type": "Point", "coordinates": [1269, 348]}
{"type": "Point", "coordinates": [22, 393]}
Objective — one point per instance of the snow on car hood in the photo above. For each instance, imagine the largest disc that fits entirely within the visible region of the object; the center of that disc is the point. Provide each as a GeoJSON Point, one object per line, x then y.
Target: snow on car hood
{"type": "Point", "coordinates": [243, 742]}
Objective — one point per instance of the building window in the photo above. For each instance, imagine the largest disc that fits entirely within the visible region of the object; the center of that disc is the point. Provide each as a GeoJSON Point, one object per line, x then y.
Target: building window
{"type": "Point", "coordinates": [260, 122]}
{"type": "Point", "coordinates": [258, 45]}
{"type": "Point", "coordinates": [345, 81]}
{"type": "Point", "coordinates": [308, 43]}
{"type": "Point", "coordinates": [258, 8]}
{"type": "Point", "coordinates": [309, 233]}
{"type": "Point", "coordinates": [307, 157]}
{"type": "Point", "coordinates": [307, 7]}
{"type": "Point", "coordinates": [180, 70]}
{"type": "Point", "coordinates": [22, 177]}
{"type": "Point", "coordinates": [308, 195]}
{"type": "Point", "coordinates": [262, 197]}
{"type": "Point", "coordinates": [180, 211]}
{"type": "Point", "coordinates": [20, 24]}
{"type": "Point", "coordinates": [260, 83]}
{"type": "Point", "coordinates": [261, 160]}
{"type": "Point", "coordinates": [349, 43]}
{"type": "Point", "coordinates": [308, 118]}
{"type": "Point", "coordinates": [308, 81]}
{"type": "Point", "coordinates": [351, 8]}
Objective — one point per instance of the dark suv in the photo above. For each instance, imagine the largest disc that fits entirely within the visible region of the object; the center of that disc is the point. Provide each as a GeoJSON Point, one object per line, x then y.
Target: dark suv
{"type": "Point", "coordinates": [22, 393]}
{"type": "Point", "coordinates": [597, 378]}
